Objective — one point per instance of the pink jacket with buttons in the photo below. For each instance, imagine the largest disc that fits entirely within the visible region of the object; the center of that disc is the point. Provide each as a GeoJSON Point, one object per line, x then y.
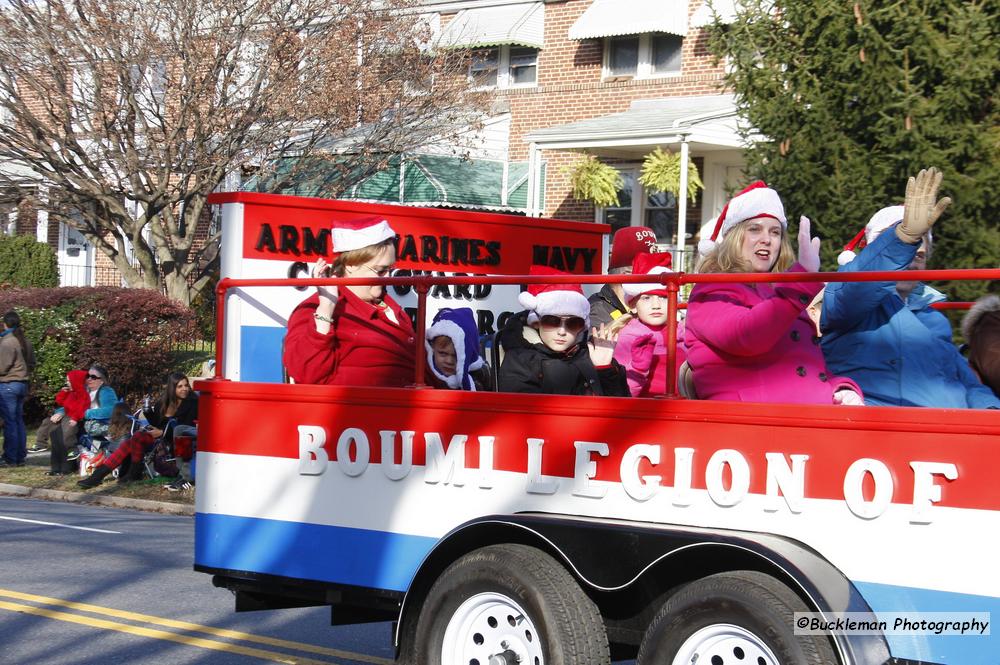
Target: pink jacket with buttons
{"type": "Point", "coordinates": [755, 343]}
{"type": "Point", "coordinates": [654, 380]}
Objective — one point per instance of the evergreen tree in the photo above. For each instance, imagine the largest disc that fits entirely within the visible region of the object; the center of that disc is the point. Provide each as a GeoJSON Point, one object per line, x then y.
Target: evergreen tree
{"type": "Point", "coordinates": [849, 99]}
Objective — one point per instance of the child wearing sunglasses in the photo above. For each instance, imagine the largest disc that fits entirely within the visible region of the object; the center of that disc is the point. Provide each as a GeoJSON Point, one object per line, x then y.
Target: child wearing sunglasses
{"type": "Point", "coordinates": [641, 347]}
{"type": "Point", "coordinates": [547, 349]}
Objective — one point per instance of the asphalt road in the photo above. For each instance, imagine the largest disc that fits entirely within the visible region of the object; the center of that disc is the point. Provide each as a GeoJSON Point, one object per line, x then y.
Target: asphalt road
{"type": "Point", "coordinates": [86, 585]}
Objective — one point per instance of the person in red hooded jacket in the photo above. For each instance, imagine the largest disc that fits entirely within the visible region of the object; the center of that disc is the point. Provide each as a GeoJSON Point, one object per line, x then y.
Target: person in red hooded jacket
{"type": "Point", "coordinates": [60, 429]}
{"type": "Point", "coordinates": [355, 335]}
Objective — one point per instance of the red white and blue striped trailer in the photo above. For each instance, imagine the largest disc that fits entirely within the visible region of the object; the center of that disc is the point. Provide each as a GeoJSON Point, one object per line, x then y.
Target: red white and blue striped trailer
{"type": "Point", "coordinates": [508, 528]}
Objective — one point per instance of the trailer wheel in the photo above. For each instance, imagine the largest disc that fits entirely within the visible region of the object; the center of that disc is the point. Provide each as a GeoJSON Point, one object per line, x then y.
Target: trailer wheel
{"type": "Point", "coordinates": [743, 617]}
{"type": "Point", "coordinates": [508, 604]}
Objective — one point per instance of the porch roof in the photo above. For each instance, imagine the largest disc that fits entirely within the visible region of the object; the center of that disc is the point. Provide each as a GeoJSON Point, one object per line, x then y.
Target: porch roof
{"type": "Point", "coordinates": [710, 121]}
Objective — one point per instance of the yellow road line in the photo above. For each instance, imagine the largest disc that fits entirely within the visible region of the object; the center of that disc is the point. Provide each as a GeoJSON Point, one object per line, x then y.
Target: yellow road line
{"type": "Point", "coordinates": [194, 627]}
{"type": "Point", "coordinates": [272, 656]}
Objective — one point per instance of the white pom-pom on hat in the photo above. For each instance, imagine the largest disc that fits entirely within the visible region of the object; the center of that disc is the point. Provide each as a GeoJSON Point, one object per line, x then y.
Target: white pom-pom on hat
{"type": "Point", "coordinates": [880, 221]}
{"type": "Point", "coordinates": [527, 300]}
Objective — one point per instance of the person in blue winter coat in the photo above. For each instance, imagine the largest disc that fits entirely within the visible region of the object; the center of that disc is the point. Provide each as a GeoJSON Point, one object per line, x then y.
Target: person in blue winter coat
{"type": "Point", "coordinates": [885, 335]}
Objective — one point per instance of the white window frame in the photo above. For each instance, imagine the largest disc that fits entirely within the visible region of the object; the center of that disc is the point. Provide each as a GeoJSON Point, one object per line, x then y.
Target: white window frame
{"type": "Point", "coordinates": [637, 213]}
{"type": "Point", "coordinates": [503, 69]}
{"type": "Point", "coordinates": [644, 67]}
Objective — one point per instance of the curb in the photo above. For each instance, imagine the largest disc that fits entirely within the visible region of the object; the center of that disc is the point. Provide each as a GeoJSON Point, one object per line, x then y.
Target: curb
{"type": "Point", "coordinates": [145, 505]}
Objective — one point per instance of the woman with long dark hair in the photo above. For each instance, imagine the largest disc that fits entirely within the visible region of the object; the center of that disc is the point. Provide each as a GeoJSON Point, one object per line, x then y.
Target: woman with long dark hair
{"type": "Point", "coordinates": [174, 413]}
{"type": "Point", "coordinates": [17, 360]}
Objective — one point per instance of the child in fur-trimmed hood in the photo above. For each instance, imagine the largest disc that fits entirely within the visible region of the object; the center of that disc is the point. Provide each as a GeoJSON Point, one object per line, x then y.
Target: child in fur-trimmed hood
{"type": "Point", "coordinates": [981, 328]}
{"type": "Point", "coordinates": [453, 354]}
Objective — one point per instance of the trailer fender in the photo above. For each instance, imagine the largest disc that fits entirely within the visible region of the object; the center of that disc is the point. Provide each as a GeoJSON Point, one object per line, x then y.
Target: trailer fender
{"type": "Point", "coordinates": [641, 551]}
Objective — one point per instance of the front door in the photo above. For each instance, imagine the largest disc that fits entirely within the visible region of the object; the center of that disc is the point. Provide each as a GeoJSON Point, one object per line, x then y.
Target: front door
{"type": "Point", "coordinates": [76, 258]}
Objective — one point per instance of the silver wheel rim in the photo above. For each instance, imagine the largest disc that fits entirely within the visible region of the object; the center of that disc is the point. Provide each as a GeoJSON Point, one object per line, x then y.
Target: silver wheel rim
{"type": "Point", "coordinates": [727, 642]}
{"type": "Point", "coordinates": [486, 625]}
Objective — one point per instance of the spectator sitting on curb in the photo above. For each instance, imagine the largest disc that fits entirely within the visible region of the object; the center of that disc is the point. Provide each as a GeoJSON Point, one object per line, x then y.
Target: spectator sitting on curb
{"type": "Point", "coordinates": [173, 415]}
{"type": "Point", "coordinates": [61, 427]}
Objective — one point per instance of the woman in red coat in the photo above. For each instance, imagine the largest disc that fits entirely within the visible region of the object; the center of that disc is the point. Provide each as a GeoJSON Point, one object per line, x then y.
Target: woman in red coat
{"type": "Point", "coordinates": [355, 335]}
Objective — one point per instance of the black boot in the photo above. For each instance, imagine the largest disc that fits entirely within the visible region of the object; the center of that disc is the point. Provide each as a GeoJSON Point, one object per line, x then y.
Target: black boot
{"type": "Point", "coordinates": [136, 471]}
{"type": "Point", "coordinates": [123, 471]}
{"type": "Point", "coordinates": [94, 479]}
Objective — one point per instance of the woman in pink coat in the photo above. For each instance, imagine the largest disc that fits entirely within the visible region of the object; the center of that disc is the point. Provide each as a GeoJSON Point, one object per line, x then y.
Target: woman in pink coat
{"type": "Point", "coordinates": [755, 342]}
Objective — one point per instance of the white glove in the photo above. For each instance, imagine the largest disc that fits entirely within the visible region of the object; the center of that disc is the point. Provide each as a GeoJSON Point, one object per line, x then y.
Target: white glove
{"type": "Point", "coordinates": [808, 247]}
{"type": "Point", "coordinates": [848, 397]}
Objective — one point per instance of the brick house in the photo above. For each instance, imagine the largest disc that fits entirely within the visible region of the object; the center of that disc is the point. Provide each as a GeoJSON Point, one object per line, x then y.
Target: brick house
{"type": "Point", "coordinates": [612, 78]}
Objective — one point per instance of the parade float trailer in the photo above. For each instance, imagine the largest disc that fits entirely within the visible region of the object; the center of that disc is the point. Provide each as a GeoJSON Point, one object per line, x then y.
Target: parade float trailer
{"type": "Point", "coordinates": [508, 528]}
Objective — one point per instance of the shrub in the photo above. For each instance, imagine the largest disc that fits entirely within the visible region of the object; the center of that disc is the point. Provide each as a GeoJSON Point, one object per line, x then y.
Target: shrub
{"type": "Point", "coordinates": [129, 331]}
{"type": "Point", "coordinates": [25, 262]}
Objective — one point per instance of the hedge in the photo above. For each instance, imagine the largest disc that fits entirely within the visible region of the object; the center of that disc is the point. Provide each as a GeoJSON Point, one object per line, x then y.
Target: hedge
{"type": "Point", "coordinates": [25, 262]}
{"type": "Point", "coordinates": [129, 331]}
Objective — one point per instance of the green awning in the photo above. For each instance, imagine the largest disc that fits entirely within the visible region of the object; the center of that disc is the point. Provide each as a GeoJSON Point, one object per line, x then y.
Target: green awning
{"type": "Point", "coordinates": [428, 180]}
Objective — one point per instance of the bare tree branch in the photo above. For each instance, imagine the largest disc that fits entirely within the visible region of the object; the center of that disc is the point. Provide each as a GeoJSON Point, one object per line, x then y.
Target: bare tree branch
{"type": "Point", "coordinates": [134, 112]}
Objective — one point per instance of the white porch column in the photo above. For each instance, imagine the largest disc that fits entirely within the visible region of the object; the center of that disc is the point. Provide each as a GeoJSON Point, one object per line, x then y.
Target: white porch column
{"type": "Point", "coordinates": [682, 206]}
{"type": "Point", "coordinates": [42, 214]}
{"type": "Point", "coordinates": [534, 179]}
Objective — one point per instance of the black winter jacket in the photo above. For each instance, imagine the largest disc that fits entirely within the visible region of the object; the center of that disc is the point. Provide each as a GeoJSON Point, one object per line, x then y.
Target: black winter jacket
{"type": "Point", "coordinates": [531, 367]}
{"type": "Point", "coordinates": [187, 413]}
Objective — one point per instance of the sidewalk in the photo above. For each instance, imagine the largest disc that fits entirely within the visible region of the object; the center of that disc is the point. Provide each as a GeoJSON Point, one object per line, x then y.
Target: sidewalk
{"type": "Point", "coordinates": [30, 481]}
{"type": "Point", "coordinates": [97, 499]}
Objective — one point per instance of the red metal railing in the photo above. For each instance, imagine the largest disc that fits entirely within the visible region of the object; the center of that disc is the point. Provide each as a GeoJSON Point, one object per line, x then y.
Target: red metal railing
{"type": "Point", "coordinates": [672, 282]}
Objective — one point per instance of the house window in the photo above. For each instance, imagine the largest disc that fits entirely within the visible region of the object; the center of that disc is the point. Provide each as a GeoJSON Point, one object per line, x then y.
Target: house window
{"type": "Point", "coordinates": [621, 215]}
{"type": "Point", "coordinates": [504, 67]}
{"type": "Point", "coordinates": [485, 67]}
{"type": "Point", "coordinates": [661, 216]}
{"type": "Point", "coordinates": [636, 207]}
{"type": "Point", "coordinates": [523, 65]}
{"type": "Point", "coordinates": [643, 56]}
{"type": "Point", "coordinates": [623, 56]}
{"type": "Point", "coordinates": [666, 58]}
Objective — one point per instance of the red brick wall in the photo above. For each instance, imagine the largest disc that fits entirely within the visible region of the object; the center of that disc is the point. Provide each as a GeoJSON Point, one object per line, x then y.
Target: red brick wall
{"type": "Point", "coordinates": [570, 89]}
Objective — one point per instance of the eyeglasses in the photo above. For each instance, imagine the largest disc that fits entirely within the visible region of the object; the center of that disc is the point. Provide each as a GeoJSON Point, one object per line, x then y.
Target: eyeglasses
{"type": "Point", "coordinates": [572, 324]}
{"type": "Point", "coordinates": [95, 377]}
{"type": "Point", "coordinates": [384, 272]}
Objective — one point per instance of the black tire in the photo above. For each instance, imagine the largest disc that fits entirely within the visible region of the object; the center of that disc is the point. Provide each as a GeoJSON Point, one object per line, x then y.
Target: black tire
{"type": "Point", "coordinates": [569, 627]}
{"type": "Point", "coordinates": [755, 603]}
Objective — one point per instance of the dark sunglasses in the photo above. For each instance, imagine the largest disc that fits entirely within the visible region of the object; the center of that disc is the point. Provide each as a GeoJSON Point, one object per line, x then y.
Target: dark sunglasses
{"type": "Point", "coordinates": [95, 376]}
{"type": "Point", "coordinates": [572, 324]}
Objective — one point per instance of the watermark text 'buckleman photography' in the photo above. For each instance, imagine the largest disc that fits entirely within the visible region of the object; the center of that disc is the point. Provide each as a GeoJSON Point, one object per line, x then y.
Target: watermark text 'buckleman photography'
{"type": "Point", "coordinates": [893, 623]}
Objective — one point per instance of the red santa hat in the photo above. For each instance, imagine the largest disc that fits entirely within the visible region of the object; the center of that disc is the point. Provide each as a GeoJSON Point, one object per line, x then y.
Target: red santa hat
{"type": "Point", "coordinates": [361, 232]}
{"type": "Point", "coordinates": [556, 299]}
{"type": "Point", "coordinates": [879, 222]}
{"type": "Point", "coordinates": [648, 264]}
{"type": "Point", "coordinates": [757, 200]}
